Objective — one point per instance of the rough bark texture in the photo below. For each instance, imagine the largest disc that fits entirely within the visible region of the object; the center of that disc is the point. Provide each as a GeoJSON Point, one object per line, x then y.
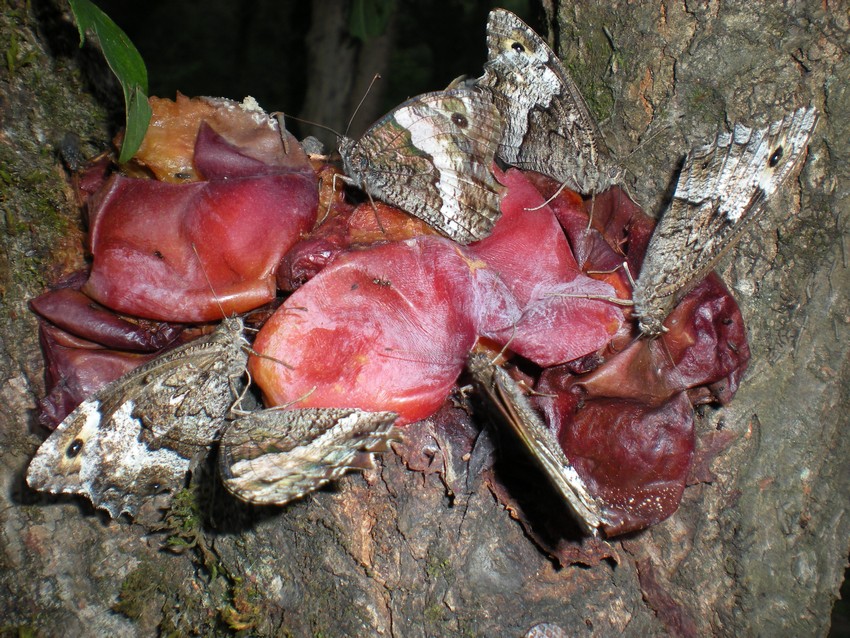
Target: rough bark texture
{"type": "Point", "coordinates": [759, 551]}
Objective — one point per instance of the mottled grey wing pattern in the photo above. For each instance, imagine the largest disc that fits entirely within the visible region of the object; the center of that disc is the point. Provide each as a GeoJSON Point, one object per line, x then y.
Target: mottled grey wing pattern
{"type": "Point", "coordinates": [723, 186]}
{"type": "Point", "coordinates": [432, 157]}
{"type": "Point", "coordinates": [184, 402]}
{"type": "Point", "coordinates": [275, 456]}
{"type": "Point", "coordinates": [538, 439]}
{"type": "Point", "coordinates": [136, 437]}
{"type": "Point", "coordinates": [548, 127]}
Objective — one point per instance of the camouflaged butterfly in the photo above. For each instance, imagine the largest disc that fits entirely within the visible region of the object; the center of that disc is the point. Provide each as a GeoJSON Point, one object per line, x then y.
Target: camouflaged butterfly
{"type": "Point", "coordinates": [538, 439]}
{"type": "Point", "coordinates": [722, 188]}
{"type": "Point", "coordinates": [137, 437]}
{"type": "Point", "coordinates": [275, 456]}
{"type": "Point", "coordinates": [432, 157]}
{"type": "Point", "coordinates": [547, 125]}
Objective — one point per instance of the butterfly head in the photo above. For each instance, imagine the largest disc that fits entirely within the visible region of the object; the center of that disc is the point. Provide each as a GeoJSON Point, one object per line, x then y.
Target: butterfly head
{"type": "Point", "coordinates": [230, 336]}
{"type": "Point", "coordinates": [355, 163]}
{"type": "Point", "coordinates": [651, 326]}
{"type": "Point", "coordinates": [231, 329]}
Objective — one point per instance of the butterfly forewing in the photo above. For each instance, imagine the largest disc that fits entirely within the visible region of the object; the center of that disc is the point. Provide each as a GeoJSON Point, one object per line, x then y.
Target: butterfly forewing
{"type": "Point", "coordinates": [538, 439]}
{"type": "Point", "coordinates": [432, 157]}
{"type": "Point", "coordinates": [547, 125]}
{"type": "Point", "coordinates": [137, 436]}
{"type": "Point", "coordinates": [721, 189]}
{"type": "Point", "coordinates": [271, 457]}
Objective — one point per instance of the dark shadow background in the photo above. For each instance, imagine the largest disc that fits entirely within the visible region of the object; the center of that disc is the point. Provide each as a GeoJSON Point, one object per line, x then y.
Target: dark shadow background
{"type": "Point", "coordinates": [301, 57]}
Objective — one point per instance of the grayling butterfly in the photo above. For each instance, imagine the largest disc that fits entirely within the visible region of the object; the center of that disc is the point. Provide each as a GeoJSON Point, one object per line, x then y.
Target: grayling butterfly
{"type": "Point", "coordinates": [547, 125]}
{"type": "Point", "coordinates": [506, 395]}
{"type": "Point", "coordinates": [275, 456]}
{"type": "Point", "coordinates": [722, 188]}
{"type": "Point", "coordinates": [137, 437]}
{"type": "Point", "coordinates": [432, 157]}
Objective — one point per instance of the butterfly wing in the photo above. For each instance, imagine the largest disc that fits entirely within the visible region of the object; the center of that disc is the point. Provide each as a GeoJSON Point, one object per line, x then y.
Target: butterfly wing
{"type": "Point", "coordinates": [538, 439]}
{"type": "Point", "coordinates": [125, 443]}
{"type": "Point", "coordinates": [276, 456]}
{"type": "Point", "coordinates": [432, 157]}
{"type": "Point", "coordinates": [547, 125]}
{"type": "Point", "coordinates": [722, 188]}
{"type": "Point", "coordinates": [185, 400]}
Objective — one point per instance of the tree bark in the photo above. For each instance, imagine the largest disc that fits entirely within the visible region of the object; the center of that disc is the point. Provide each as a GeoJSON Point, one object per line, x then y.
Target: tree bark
{"type": "Point", "coordinates": [759, 550]}
{"type": "Point", "coordinates": [341, 70]}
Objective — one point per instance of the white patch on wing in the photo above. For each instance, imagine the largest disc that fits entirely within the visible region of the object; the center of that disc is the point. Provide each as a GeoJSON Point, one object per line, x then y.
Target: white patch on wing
{"type": "Point", "coordinates": [537, 92]}
{"type": "Point", "coordinates": [419, 122]}
{"type": "Point", "coordinates": [277, 466]}
{"type": "Point", "coordinates": [119, 453]}
{"type": "Point", "coordinates": [322, 452]}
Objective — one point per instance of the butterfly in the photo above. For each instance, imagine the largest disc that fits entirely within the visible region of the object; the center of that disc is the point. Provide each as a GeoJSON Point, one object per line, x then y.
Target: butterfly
{"type": "Point", "coordinates": [547, 125]}
{"type": "Point", "coordinates": [432, 157]}
{"type": "Point", "coordinates": [137, 437]}
{"type": "Point", "coordinates": [275, 456]}
{"type": "Point", "coordinates": [722, 188]}
{"type": "Point", "coordinates": [504, 393]}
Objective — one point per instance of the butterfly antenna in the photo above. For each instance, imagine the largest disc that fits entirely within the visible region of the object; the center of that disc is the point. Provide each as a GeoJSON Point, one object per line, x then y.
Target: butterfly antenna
{"type": "Point", "coordinates": [209, 283]}
{"type": "Point", "coordinates": [629, 274]}
{"type": "Point", "coordinates": [377, 217]}
{"type": "Point", "coordinates": [330, 199]}
{"type": "Point", "coordinates": [375, 78]}
{"type": "Point", "coordinates": [665, 350]}
{"type": "Point", "coordinates": [238, 411]}
{"type": "Point", "coordinates": [302, 397]}
{"type": "Point", "coordinates": [407, 356]}
{"type": "Point", "coordinates": [590, 215]}
{"type": "Point", "coordinates": [260, 355]}
{"type": "Point", "coordinates": [362, 99]}
{"type": "Point", "coordinates": [280, 116]}
{"type": "Point", "coordinates": [504, 349]}
{"type": "Point", "coordinates": [551, 198]}
{"type": "Point", "coordinates": [310, 122]}
{"type": "Point", "coordinates": [624, 266]}
{"type": "Point", "coordinates": [643, 143]}
{"type": "Point", "coordinates": [614, 300]}
{"type": "Point", "coordinates": [289, 404]}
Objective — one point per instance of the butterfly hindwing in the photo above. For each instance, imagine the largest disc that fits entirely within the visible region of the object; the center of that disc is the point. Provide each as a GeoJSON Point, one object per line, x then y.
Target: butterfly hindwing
{"type": "Point", "coordinates": [275, 456]}
{"type": "Point", "coordinates": [137, 437]}
{"type": "Point", "coordinates": [547, 125]}
{"type": "Point", "coordinates": [537, 438]}
{"type": "Point", "coordinates": [722, 188]}
{"type": "Point", "coordinates": [432, 157]}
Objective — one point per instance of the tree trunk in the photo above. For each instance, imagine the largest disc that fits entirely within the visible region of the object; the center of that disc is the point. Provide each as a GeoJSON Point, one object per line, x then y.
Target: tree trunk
{"type": "Point", "coordinates": [341, 70]}
{"type": "Point", "coordinates": [759, 550]}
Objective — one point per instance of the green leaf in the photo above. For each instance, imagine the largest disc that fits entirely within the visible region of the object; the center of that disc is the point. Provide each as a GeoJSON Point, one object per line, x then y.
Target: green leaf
{"type": "Point", "coordinates": [369, 18]}
{"type": "Point", "coordinates": [138, 116]}
{"type": "Point", "coordinates": [127, 65]}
